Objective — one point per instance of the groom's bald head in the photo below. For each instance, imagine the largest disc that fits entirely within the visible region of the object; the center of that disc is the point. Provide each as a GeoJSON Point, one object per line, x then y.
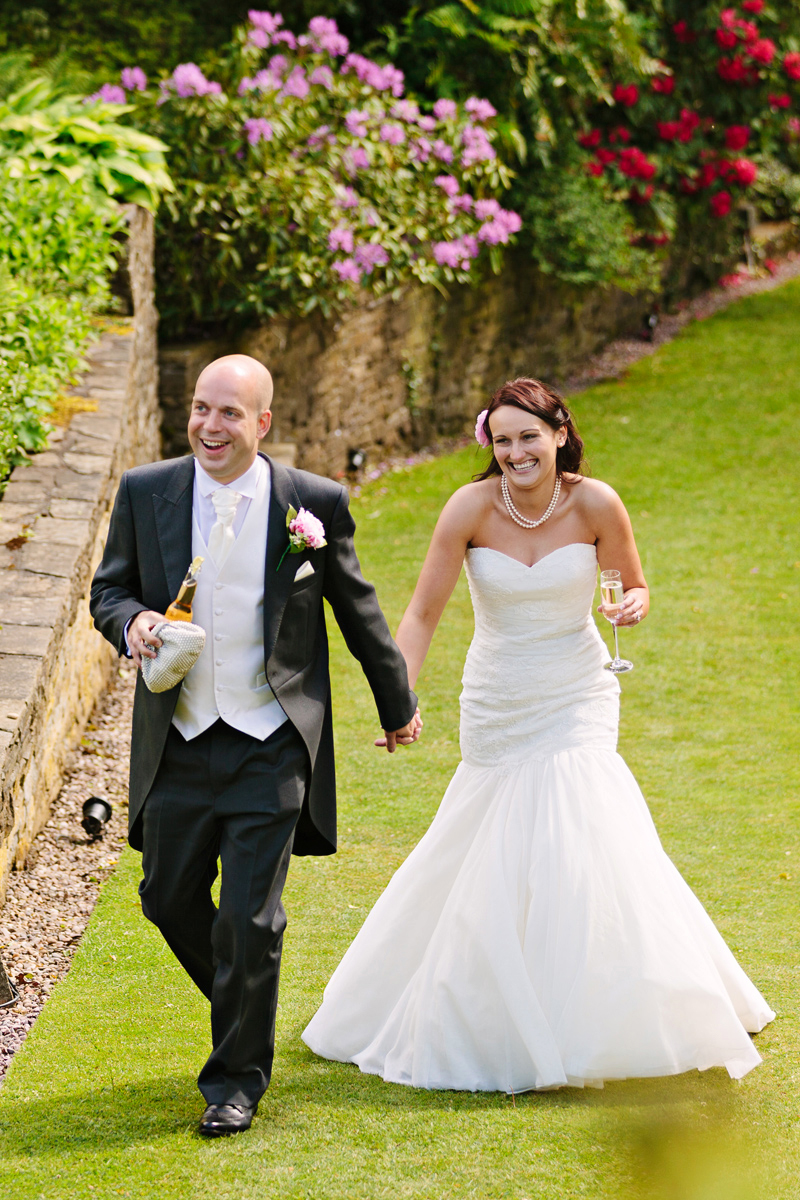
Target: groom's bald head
{"type": "Point", "coordinates": [246, 375]}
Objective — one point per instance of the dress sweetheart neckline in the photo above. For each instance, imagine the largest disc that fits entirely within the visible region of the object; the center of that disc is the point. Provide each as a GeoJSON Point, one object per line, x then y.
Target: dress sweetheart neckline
{"type": "Point", "coordinates": [530, 566]}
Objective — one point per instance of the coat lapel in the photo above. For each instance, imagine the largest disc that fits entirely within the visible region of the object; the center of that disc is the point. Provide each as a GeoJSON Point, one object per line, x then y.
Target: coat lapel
{"type": "Point", "coordinates": [172, 509]}
{"type": "Point", "coordinates": [278, 580]}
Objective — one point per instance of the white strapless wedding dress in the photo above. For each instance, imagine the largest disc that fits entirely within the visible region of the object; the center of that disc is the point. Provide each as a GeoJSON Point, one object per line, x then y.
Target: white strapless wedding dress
{"type": "Point", "coordinates": [538, 935]}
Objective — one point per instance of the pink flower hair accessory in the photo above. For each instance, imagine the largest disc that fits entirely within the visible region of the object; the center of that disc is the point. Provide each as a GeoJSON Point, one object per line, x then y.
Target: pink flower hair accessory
{"type": "Point", "coordinates": [481, 436]}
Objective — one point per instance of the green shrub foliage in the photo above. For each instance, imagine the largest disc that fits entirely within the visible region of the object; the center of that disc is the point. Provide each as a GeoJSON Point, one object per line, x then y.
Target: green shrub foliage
{"type": "Point", "coordinates": [57, 252]}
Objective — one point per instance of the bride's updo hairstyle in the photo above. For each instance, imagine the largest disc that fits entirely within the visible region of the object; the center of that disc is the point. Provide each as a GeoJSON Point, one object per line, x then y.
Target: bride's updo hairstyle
{"type": "Point", "coordinates": [545, 403]}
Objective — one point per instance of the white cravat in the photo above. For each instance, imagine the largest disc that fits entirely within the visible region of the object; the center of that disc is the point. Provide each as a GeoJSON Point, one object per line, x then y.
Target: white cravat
{"type": "Point", "coordinates": [222, 536]}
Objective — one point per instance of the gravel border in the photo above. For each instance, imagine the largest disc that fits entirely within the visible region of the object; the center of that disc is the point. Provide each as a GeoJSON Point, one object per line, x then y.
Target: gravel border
{"type": "Point", "coordinates": [48, 905]}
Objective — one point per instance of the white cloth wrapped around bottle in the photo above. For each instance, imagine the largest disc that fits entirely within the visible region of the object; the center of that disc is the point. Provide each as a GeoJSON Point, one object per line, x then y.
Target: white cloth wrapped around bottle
{"type": "Point", "coordinates": [182, 645]}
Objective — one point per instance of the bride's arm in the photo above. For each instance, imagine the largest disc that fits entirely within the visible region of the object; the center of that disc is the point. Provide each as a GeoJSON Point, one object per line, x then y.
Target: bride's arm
{"type": "Point", "coordinates": [438, 577]}
{"type": "Point", "coordinates": [616, 550]}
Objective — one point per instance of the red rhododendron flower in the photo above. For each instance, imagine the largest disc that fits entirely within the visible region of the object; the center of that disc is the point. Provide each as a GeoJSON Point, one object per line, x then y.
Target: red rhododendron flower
{"type": "Point", "coordinates": [753, 6]}
{"type": "Point", "coordinates": [595, 168]}
{"type": "Point", "coordinates": [642, 197]}
{"type": "Point", "coordinates": [748, 32]}
{"type": "Point", "coordinates": [620, 134]}
{"type": "Point", "coordinates": [720, 204]}
{"type": "Point", "coordinates": [590, 140]}
{"type": "Point", "coordinates": [668, 130]}
{"type": "Point", "coordinates": [687, 125]}
{"type": "Point", "coordinates": [705, 176]}
{"type": "Point", "coordinates": [606, 156]}
{"type": "Point", "coordinates": [791, 64]}
{"type": "Point", "coordinates": [771, 265]}
{"type": "Point", "coordinates": [683, 33]}
{"type": "Point", "coordinates": [626, 95]}
{"type": "Point", "coordinates": [783, 101]}
{"type": "Point", "coordinates": [635, 164]}
{"type": "Point", "coordinates": [687, 186]}
{"type": "Point", "coordinates": [763, 51]}
{"type": "Point", "coordinates": [737, 137]}
{"type": "Point", "coordinates": [736, 70]}
{"type": "Point", "coordinates": [742, 171]}
{"type": "Point", "coordinates": [726, 38]}
{"type": "Point", "coordinates": [664, 84]}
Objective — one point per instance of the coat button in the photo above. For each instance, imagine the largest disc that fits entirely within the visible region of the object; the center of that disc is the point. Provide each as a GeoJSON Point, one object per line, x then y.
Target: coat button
{"type": "Point", "coordinates": [217, 612]}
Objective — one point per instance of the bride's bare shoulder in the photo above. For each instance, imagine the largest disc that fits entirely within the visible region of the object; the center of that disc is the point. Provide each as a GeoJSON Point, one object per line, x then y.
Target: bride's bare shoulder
{"type": "Point", "coordinates": [593, 497]}
{"type": "Point", "coordinates": [468, 504]}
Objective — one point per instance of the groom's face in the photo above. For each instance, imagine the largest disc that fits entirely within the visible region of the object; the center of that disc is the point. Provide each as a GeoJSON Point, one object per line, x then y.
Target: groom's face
{"type": "Point", "coordinates": [225, 425]}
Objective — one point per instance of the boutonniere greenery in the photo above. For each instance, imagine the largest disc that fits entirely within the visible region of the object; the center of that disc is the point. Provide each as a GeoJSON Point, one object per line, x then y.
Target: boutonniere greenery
{"type": "Point", "coordinates": [306, 532]}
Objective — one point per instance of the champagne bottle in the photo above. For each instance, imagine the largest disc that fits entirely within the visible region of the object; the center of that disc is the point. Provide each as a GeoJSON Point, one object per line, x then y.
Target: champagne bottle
{"type": "Point", "coordinates": [181, 607]}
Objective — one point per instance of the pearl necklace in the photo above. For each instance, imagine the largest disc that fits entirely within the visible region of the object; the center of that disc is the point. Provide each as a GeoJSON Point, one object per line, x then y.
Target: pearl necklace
{"type": "Point", "coordinates": [517, 516]}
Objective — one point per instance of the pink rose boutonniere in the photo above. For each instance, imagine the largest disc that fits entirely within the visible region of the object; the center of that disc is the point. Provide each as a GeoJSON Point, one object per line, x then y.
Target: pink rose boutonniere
{"type": "Point", "coordinates": [306, 532]}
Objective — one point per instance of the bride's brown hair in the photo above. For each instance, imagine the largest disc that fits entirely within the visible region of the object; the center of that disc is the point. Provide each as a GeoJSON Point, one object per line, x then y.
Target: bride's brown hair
{"type": "Point", "coordinates": [544, 402]}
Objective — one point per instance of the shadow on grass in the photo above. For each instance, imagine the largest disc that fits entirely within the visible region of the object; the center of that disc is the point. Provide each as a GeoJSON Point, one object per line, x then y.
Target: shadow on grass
{"type": "Point", "coordinates": [111, 1117]}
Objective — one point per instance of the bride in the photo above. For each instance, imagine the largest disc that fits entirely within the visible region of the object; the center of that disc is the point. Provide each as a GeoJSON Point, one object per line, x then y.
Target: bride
{"type": "Point", "coordinates": [538, 935]}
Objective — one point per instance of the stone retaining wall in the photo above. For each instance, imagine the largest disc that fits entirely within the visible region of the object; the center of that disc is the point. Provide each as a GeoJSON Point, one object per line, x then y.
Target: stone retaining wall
{"type": "Point", "coordinates": [53, 523]}
{"type": "Point", "coordinates": [391, 375]}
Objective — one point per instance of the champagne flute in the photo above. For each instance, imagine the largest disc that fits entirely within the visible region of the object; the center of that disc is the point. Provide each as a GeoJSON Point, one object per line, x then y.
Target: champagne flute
{"type": "Point", "coordinates": [613, 593]}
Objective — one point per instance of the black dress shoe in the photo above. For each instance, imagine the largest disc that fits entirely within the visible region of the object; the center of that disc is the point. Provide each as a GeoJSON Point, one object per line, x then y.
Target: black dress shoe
{"type": "Point", "coordinates": [221, 1119]}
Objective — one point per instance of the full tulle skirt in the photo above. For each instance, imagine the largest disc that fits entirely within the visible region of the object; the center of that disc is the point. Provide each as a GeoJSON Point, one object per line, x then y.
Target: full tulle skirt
{"type": "Point", "coordinates": [539, 936]}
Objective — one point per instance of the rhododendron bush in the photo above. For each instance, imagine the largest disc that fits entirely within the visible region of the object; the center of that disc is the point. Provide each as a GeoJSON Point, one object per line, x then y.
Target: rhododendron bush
{"type": "Point", "coordinates": [302, 174]}
{"type": "Point", "coordinates": [692, 138]}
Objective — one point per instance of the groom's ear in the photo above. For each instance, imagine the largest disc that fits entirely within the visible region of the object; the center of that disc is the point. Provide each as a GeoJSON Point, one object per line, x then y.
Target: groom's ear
{"type": "Point", "coordinates": [264, 422]}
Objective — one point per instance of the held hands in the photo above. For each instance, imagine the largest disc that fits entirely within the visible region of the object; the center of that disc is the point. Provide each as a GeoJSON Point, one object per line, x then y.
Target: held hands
{"type": "Point", "coordinates": [141, 641]}
{"type": "Point", "coordinates": [401, 737]}
{"type": "Point", "coordinates": [632, 611]}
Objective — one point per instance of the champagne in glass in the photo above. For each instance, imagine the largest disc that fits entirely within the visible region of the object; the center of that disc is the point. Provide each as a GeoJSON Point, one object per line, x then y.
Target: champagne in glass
{"type": "Point", "coordinates": [612, 592]}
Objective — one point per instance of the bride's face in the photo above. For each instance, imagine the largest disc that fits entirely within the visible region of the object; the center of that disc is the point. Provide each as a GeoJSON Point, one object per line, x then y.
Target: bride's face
{"type": "Point", "coordinates": [524, 445]}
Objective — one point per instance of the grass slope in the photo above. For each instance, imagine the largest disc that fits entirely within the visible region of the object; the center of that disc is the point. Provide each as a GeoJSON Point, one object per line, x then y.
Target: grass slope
{"type": "Point", "coordinates": [701, 441]}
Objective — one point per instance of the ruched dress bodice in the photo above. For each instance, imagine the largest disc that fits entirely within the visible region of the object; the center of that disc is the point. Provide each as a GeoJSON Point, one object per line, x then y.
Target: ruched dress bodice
{"type": "Point", "coordinates": [533, 680]}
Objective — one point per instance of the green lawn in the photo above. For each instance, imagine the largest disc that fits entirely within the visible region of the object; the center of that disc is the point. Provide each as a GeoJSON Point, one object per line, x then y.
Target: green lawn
{"type": "Point", "coordinates": [702, 441]}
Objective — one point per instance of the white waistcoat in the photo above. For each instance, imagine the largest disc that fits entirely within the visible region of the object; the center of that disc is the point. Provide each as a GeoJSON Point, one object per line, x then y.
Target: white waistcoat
{"type": "Point", "coordinates": [228, 680]}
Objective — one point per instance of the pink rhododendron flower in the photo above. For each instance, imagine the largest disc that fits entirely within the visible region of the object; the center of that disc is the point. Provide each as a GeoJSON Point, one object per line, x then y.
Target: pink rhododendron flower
{"type": "Point", "coordinates": [477, 147]}
{"type": "Point", "coordinates": [189, 80]}
{"type": "Point", "coordinates": [110, 93]}
{"type": "Point", "coordinates": [356, 122]}
{"type": "Point", "coordinates": [258, 37]}
{"type": "Point", "coordinates": [500, 228]}
{"type": "Point", "coordinates": [445, 110]}
{"type": "Point", "coordinates": [346, 269]}
{"type": "Point", "coordinates": [322, 77]}
{"type": "Point", "coordinates": [308, 529]}
{"type": "Point", "coordinates": [296, 85]}
{"type": "Point", "coordinates": [427, 124]}
{"type": "Point", "coordinates": [319, 136]}
{"type": "Point", "coordinates": [347, 198]}
{"type": "Point", "coordinates": [287, 37]}
{"type": "Point", "coordinates": [263, 81]}
{"type": "Point", "coordinates": [421, 149]}
{"type": "Point", "coordinates": [341, 238]}
{"type": "Point", "coordinates": [383, 79]}
{"type": "Point", "coordinates": [371, 255]}
{"type": "Point", "coordinates": [394, 135]}
{"type": "Point", "coordinates": [486, 208]}
{"type": "Point", "coordinates": [448, 183]}
{"type": "Point", "coordinates": [257, 128]}
{"type": "Point", "coordinates": [269, 22]}
{"type": "Point", "coordinates": [443, 151]}
{"type": "Point", "coordinates": [356, 159]}
{"type": "Point", "coordinates": [134, 79]}
{"type": "Point", "coordinates": [463, 203]}
{"type": "Point", "coordinates": [480, 110]}
{"type": "Point", "coordinates": [405, 110]}
{"type": "Point", "coordinates": [325, 36]}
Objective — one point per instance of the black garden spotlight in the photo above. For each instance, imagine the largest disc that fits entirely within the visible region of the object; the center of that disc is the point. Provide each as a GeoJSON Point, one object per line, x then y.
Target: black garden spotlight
{"type": "Point", "coordinates": [96, 813]}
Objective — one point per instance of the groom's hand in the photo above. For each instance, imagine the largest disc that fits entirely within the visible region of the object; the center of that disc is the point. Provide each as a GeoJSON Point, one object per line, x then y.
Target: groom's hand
{"type": "Point", "coordinates": [140, 638]}
{"type": "Point", "coordinates": [401, 737]}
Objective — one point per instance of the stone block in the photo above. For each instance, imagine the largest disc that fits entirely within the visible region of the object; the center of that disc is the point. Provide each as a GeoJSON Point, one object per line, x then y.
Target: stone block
{"type": "Point", "coordinates": [71, 486]}
{"type": "Point", "coordinates": [24, 639]}
{"type": "Point", "coordinates": [28, 610]}
{"type": "Point", "coordinates": [87, 464]}
{"type": "Point", "coordinates": [18, 492]}
{"type": "Point", "coordinates": [69, 510]}
{"type": "Point", "coordinates": [50, 558]}
{"type": "Point", "coordinates": [18, 675]}
{"type": "Point", "coordinates": [66, 533]}
{"type": "Point", "coordinates": [95, 425]}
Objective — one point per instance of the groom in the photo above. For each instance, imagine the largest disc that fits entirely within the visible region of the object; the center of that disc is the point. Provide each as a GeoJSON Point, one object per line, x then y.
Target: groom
{"type": "Point", "coordinates": [236, 762]}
